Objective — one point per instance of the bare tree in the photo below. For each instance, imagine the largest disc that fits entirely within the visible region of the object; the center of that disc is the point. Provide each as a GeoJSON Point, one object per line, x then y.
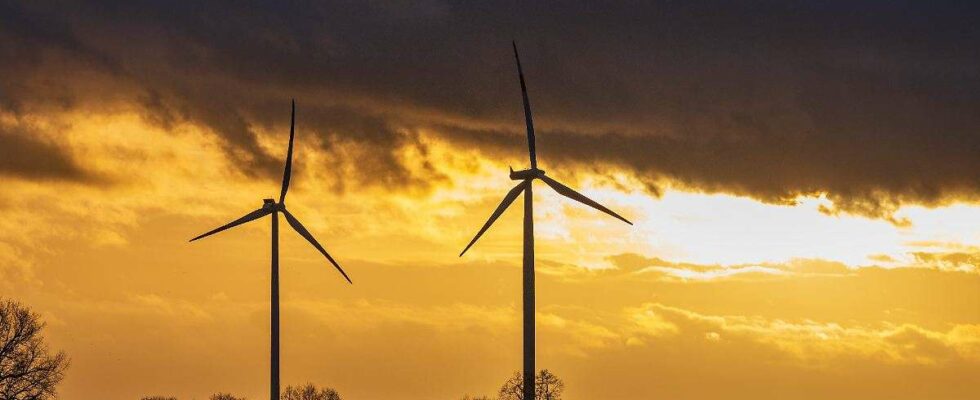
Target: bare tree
{"type": "Point", "coordinates": [513, 389]}
{"type": "Point", "coordinates": [547, 386]}
{"type": "Point", "coordinates": [28, 371]}
{"type": "Point", "coordinates": [309, 392]}
{"type": "Point", "coordinates": [225, 396]}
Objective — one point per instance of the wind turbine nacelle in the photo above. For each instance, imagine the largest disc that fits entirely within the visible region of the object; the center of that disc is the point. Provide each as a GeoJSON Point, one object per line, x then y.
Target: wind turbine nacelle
{"type": "Point", "coordinates": [269, 203]}
{"type": "Point", "coordinates": [526, 174]}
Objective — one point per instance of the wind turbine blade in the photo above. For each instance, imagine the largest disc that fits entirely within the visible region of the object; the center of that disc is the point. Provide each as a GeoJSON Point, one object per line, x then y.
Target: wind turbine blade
{"type": "Point", "coordinates": [309, 237]}
{"type": "Point", "coordinates": [572, 194]}
{"type": "Point", "coordinates": [248, 217]}
{"type": "Point", "coordinates": [508, 199]}
{"type": "Point", "coordinates": [527, 112]}
{"type": "Point", "coordinates": [286, 173]}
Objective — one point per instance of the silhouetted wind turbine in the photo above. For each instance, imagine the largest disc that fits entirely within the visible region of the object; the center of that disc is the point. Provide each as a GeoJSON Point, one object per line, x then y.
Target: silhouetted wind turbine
{"type": "Point", "coordinates": [526, 177]}
{"type": "Point", "coordinates": [270, 206]}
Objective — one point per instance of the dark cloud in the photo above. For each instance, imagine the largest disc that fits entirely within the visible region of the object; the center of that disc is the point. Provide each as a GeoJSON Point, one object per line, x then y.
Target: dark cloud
{"type": "Point", "coordinates": [872, 103]}
{"type": "Point", "coordinates": [23, 156]}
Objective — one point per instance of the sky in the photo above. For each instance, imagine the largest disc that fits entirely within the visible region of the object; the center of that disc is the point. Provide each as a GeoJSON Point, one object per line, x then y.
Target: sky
{"type": "Point", "coordinates": [802, 177]}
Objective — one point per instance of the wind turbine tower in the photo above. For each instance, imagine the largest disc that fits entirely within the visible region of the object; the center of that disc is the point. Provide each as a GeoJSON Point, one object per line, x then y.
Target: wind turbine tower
{"type": "Point", "coordinates": [526, 177]}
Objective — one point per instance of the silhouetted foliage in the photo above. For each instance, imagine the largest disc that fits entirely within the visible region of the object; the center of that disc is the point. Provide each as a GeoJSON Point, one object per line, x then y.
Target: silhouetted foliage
{"type": "Point", "coordinates": [309, 392]}
{"type": "Point", "coordinates": [216, 396]}
{"type": "Point", "coordinates": [467, 397]}
{"type": "Point", "coordinates": [225, 396]}
{"type": "Point", "coordinates": [28, 371]}
{"type": "Point", "coordinates": [547, 386]}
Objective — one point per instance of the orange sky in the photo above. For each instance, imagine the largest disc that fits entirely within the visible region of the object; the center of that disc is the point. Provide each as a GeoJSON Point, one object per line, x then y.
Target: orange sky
{"type": "Point", "coordinates": [802, 178]}
{"type": "Point", "coordinates": [706, 296]}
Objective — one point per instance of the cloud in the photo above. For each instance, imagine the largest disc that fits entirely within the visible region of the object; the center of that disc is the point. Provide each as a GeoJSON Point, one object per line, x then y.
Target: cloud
{"type": "Point", "coordinates": [952, 261]}
{"type": "Point", "coordinates": [686, 274]}
{"type": "Point", "coordinates": [638, 266]}
{"type": "Point", "coordinates": [876, 113]}
{"type": "Point", "coordinates": [24, 154]}
{"type": "Point", "coordinates": [811, 342]}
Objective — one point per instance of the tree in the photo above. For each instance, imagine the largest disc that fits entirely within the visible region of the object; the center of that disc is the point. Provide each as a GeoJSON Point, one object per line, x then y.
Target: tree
{"type": "Point", "coordinates": [158, 398]}
{"type": "Point", "coordinates": [547, 386]}
{"type": "Point", "coordinates": [225, 396]}
{"type": "Point", "coordinates": [309, 392]}
{"type": "Point", "coordinates": [28, 371]}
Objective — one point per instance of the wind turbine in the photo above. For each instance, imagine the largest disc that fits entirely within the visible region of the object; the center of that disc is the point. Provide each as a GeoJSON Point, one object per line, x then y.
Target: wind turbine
{"type": "Point", "coordinates": [527, 177]}
{"type": "Point", "coordinates": [270, 206]}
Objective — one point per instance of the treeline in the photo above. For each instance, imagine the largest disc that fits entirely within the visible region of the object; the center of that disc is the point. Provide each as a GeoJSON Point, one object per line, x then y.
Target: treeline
{"type": "Point", "coordinates": [308, 391]}
{"type": "Point", "coordinates": [547, 387]}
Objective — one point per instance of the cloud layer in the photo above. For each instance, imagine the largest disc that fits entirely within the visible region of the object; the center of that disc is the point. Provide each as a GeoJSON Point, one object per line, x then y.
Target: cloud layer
{"type": "Point", "coordinates": [872, 107]}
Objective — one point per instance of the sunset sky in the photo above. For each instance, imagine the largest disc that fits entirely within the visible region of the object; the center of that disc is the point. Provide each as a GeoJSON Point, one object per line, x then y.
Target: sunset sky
{"type": "Point", "coordinates": [803, 178]}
